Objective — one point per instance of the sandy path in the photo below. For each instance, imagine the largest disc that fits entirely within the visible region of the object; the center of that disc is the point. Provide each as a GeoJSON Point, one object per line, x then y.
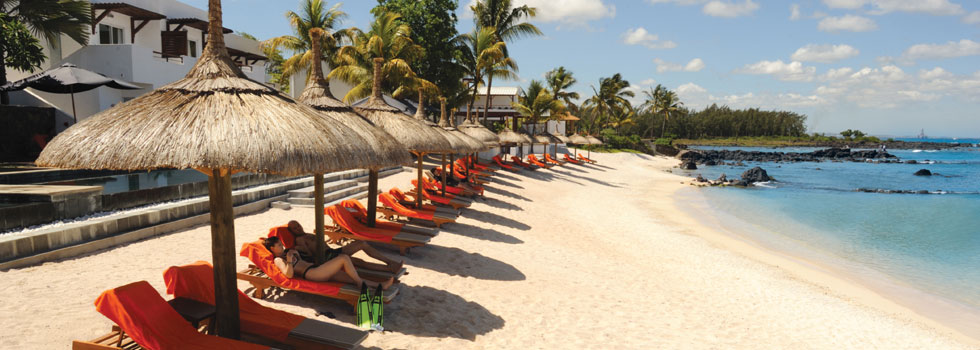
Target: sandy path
{"type": "Point", "coordinates": [578, 257]}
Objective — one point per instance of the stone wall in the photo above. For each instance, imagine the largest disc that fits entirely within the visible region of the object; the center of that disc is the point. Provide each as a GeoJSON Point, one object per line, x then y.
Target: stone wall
{"type": "Point", "coordinates": [25, 131]}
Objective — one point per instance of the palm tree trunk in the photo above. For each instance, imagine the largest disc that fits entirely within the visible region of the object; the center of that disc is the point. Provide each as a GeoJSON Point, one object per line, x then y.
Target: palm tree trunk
{"type": "Point", "coordinates": [4, 96]}
{"type": "Point", "coordinates": [469, 108]}
{"type": "Point", "coordinates": [663, 130]}
{"type": "Point", "coordinates": [486, 106]}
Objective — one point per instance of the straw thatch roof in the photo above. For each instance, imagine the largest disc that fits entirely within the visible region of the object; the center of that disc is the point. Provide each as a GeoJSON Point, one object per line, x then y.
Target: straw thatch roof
{"type": "Point", "coordinates": [472, 144]}
{"type": "Point", "coordinates": [578, 139]}
{"type": "Point", "coordinates": [560, 138]}
{"type": "Point", "coordinates": [416, 136]}
{"type": "Point", "coordinates": [479, 132]}
{"type": "Point", "coordinates": [386, 151]}
{"type": "Point", "coordinates": [458, 145]}
{"type": "Point", "coordinates": [542, 139]}
{"type": "Point", "coordinates": [593, 140]}
{"type": "Point", "coordinates": [508, 136]}
{"type": "Point", "coordinates": [214, 118]}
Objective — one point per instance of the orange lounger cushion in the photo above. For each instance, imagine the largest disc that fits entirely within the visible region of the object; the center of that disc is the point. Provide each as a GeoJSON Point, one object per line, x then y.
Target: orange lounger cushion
{"type": "Point", "coordinates": [344, 219]}
{"type": "Point", "coordinates": [265, 261]}
{"type": "Point", "coordinates": [143, 314]}
{"type": "Point", "coordinates": [286, 237]}
{"type": "Point", "coordinates": [571, 160]}
{"type": "Point", "coordinates": [534, 160]}
{"type": "Point", "coordinates": [196, 281]}
{"type": "Point", "coordinates": [390, 201]}
{"type": "Point", "coordinates": [500, 163]}
{"type": "Point", "coordinates": [360, 214]}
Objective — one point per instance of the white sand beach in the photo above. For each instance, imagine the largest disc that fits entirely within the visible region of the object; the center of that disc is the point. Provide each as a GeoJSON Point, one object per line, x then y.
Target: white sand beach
{"type": "Point", "coordinates": [593, 257]}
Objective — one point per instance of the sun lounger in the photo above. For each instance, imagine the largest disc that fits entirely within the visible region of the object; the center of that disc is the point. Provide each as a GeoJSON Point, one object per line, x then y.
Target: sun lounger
{"type": "Point", "coordinates": [534, 160]}
{"type": "Point", "coordinates": [522, 164]}
{"type": "Point", "coordinates": [464, 168]}
{"type": "Point", "coordinates": [586, 159]}
{"type": "Point", "coordinates": [569, 159]}
{"type": "Point", "coordinates": [481, 166]}
{"type": "Point", "coordinates": [456, 203]}
{"type": "Point", "coordinates": [393, 208]}
{"type": "Point", "coordinates": [410, 203]}
{"type": "Point", "coordinates": [282, 232]}
{"type": "Point", "coordinates": [196, 282]}
{"type": "Point", "coordinates": [547, 158]}
{"type": "Point", "coordinates": [435, 190]}
{"type": "Point", "coordinates": [500, 163]}
{"type": "Point", "coordinates": [360, 213]}
{"type": "Point", "coordinates": [347, 227]}
{"type": "Point", "coordinates": [146, 320]}
{"type": "Point", "coordinates": [464, 189]}
{"type": "Point", "coordinates": [263, 273]}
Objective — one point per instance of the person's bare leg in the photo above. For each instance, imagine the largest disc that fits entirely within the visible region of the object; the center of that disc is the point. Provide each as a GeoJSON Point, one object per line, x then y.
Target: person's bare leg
{"type": "Point", "coordinates": [354, 247]}
{"type": "Point", "coordinates": [341, 269]}
{"type": "Point", "coordinates": [368, 265]}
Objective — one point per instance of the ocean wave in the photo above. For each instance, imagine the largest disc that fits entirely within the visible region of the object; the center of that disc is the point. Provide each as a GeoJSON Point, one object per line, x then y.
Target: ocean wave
{"type": "Point", "coordinates": [891, 191]}
{"type": "Point", "coordinates": [765, 184]}
{"type": "Point", "coordinates": [916, 151]}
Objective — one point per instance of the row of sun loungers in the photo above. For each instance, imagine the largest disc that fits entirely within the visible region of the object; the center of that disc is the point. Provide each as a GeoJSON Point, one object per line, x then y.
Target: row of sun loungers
{"type": "Point", "coordinates": [145, 320]}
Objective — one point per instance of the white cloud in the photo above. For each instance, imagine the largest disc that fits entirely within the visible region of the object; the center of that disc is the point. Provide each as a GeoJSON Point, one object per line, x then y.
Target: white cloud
{"type": "Point", "coordinates": [690, 88]}
{"type": "Point", "coordinates": [935, 73]}
{"type": "Point", "coordinates": [719, 8]}
{"type": "Point", "coordinates": [640, 36]}
{"type": "Point", "coordinates": [824, 53]}
{"type": "Point", "coordinates": [793, 71]}
{"type": "Point", "coordinates": [693, 65]}
{"type": "Point", "coordinates": [879, 7]}
{"type": "Point", "coordinates": [794, 12]}
{"type": "Point", "coordinates": [950, 49]}
{"type": "Point", "coordinates": [972, 18]}
{"type": "Point", "coordinates": [836, 73]}
{"type": "Point", "coordinates": [648, 82]}
{"type": "Point", "coordinates": [573, 12]}
{"type": "Point", "coordinates": [847, 23]}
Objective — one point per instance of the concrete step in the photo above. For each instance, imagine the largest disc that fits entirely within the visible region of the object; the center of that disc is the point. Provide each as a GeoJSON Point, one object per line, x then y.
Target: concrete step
{"type": "Point", "coordinates": [337, 185]}
{"type": "Point", "coordinates": [332, 196]}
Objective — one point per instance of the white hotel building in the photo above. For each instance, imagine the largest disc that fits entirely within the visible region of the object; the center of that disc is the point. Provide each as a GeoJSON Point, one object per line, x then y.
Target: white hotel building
{"type": "Point", "coordinates": [150, 43]}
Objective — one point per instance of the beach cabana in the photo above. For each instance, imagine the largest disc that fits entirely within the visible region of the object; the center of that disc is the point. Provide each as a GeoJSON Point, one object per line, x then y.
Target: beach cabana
{"type": "Point", "coordinates": [387, 150]}
{"type": "Point", "coordinates": [419, 138]}
{"type": "Point", "coordinates": [219, 122]}
{"type": "Point", "coordinates": [68, 79]}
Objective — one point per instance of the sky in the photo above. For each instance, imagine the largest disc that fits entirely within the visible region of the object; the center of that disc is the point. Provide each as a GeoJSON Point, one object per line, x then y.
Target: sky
{"type": "Point", "coordinates": [886, 67]}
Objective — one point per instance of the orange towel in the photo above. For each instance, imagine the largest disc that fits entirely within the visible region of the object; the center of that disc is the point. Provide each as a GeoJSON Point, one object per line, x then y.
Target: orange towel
{"type": "Point", "coordinates": [286, 237]}
{"type": "Point", "coordinates": [265, 261]}
{"type": "Point", "coordinates": [361, 215]}
{"type": "Point", "coordinates": [143, 314]}
{"type": "Point", "coordinates": [393, 203]}
{"type": "Point", "coordinates": [196, 281]}
{"type": "Point", "coordinates": [344, 219]}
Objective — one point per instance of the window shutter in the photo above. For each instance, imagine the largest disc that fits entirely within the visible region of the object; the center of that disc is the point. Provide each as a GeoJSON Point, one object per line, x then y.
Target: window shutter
{"type": "Point", "coordinates": [173, 43]}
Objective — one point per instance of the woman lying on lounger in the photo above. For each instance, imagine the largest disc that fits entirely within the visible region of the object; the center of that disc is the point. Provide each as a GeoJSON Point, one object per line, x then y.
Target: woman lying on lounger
{"type": "Point", "coordinates": [338, 269]}
{"type": "Point", "coordinates": [306, 246]}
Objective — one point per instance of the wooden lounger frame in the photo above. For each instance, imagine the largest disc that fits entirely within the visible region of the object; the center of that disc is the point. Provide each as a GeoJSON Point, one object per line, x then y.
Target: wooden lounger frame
{"type": "Point", "coordinates": [114, 340]}
{"type": "Point", "coordinates": [337, 235]}
{"type": "Point", "coordinates": [349, 293]}
{"type": "Point", "coordinates": [453, 202]}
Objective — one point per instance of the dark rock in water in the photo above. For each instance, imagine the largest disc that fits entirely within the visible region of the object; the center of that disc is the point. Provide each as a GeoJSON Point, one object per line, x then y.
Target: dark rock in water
{"type": "Point", "coordinates": [922, 192]}
{"type": "Point", "coordinates": [722, 178]}
{"type": "Point", "coordinates": [739, 183]}
{"type": "Point", "coordinates": [911, 161]}
{"type": "Point", "coordinates": [689, 166]}
{"type": "Point", "coordinates": [923, 172]}
{"type": "Point", "coordinates": [756, 174]}
{"type": "Point", "coordinates": [666, 150]}
{"type": "Point", "coordinates": [700, 179]}
{"type": "Point", "coordinates": [710, 162]}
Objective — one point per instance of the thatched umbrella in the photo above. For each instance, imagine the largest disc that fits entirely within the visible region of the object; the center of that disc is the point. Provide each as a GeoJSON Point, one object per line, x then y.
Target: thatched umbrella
{"type": "Point", "coordinates": [508, 136]}
{"type": "Point", "coordinates": [544, 140]}
{"type": "Point", "coordinates": [417, 137]}
{"type": "Point", "coordinates": [578, 140]}
{"type": "Point", "coordinates": [456, 144]}
{"type": "Point", "coordinates": [387, 150]}
{"type": "Point", "coordinates": [592, 141]}
{"type": "Point", "coordinates": [471, 145]}
{"type": "Point", "coordinates": [479, 132]}
{"type": "Point", "coordinates": [219, 122]}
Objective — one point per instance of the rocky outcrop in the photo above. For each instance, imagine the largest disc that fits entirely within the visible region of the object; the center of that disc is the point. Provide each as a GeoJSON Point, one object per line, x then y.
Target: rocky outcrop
{"type": "Point", "coordinates": [923, 172]}
{"type": "Point", "coordinates": [689, 165]}
{"type": "Point", "coordinates": [756, 174]}
{"type": "Point", "coordinates": [710, 157]}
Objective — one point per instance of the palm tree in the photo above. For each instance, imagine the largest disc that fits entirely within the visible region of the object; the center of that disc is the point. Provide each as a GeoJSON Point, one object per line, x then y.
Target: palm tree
{"type": "Point", "coordinates": [508, 23]}
{"type": "Point", "coordinates": [609, 99]}
{"type": "Point", "coordinates": [313, 14]}
{"type": "Point", "coordinates": [668, 102]}
{"type": "Point", "coordinates": [650, 104]}
{"type": "Point", "coordinates": [559, 80]}
{"type": "Point", "coordinates": [49, 19]}
{"type": "Point", "coordinates": [534, 103]}
{"type": "Point", "coordinates": [389, 39]}
{"type": "Point", "coordinates": [478, 54]}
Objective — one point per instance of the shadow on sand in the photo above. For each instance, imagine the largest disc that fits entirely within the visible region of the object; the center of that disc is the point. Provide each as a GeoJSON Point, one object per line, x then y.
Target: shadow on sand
{"type": "Point", "coordinates": [496, 219]}
{"type": "Point", "coordinates": [483, 233]}
{"type": "Point", "coordinates": [457, 262]}
{"type": "Point", "coordinates": [505, 193]}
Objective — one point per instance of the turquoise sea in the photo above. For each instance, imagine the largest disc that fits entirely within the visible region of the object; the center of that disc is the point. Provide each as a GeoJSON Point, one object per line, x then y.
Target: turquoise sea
{"type": "Point", "coordinates": [920, 250]}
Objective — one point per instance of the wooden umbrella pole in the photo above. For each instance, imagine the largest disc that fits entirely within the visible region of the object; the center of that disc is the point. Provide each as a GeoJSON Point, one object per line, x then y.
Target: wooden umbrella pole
{"type": "Point", "coordinates": [372, 197]}
{"type": "Point", "coordinates": [418, 187]}
{"type": "Point", "coordinates": [227, 323]}
{"type": "Point", "coordinates": [321, 244]}
{"type": "Point", "coordinates": [444, 175]}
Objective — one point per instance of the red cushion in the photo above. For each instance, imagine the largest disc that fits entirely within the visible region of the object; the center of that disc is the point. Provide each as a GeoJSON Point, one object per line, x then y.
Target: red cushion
{"type": "Point", "coordinates": [265, 261]}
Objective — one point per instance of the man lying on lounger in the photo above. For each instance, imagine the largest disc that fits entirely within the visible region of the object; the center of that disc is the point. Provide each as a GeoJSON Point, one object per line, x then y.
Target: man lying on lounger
{"type": "Point", "coordinates": [338, 269]}
{"type": "Point", "coordinates": [306, 245]}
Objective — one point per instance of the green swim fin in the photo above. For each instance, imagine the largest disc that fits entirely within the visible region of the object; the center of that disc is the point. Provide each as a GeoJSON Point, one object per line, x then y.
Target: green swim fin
{"type": "Point", "coordinates": [364, 308]}
{"type": "Point", "coordinates": [377, 309]}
